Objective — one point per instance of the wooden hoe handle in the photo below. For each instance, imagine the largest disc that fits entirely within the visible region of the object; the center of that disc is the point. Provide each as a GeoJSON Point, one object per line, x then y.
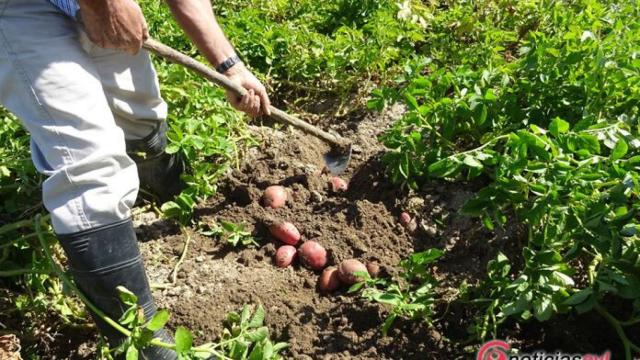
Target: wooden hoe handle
{"type": "Point", "coordinates": [175, 56]}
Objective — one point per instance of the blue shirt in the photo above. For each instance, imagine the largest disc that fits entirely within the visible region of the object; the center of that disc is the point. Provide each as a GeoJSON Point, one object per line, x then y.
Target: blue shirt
{"type": "Point", "coordinates": [69, 7]}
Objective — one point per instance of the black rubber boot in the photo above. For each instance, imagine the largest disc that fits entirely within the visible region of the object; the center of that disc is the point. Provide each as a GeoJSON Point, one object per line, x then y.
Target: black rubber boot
{"type": "Point", "coordinates": [103, 258]}
{"type": "Point", "coordinates": [158, 171]}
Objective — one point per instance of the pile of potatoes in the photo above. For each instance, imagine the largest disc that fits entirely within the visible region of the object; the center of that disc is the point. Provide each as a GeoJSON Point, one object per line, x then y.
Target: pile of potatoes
{"type": "Point", "coordinates": [310, 253]}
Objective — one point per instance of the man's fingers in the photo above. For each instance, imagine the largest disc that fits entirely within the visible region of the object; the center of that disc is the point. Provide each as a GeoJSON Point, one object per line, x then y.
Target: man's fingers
{"type": "Point", "coordinates": [245, 102]}
{"type": "Point", "coordinates": [133, 47]}
{"type": "Point", "coordinates": [139, 40]}
{"type": "Point", "coordinates": [254, 103]}
{"type": "Point", "coordinates": [265, 102]}
{"type": "Point", "coordinates": [250, 101]}
{"type": "Point", "coordinates": [145, 30]}
{"type": "Point", "coordinates": [233, 99]}
{"type": "Point", "coordinates": [94, 39]}
{"type": "Point", "coordinates": [256, 106]}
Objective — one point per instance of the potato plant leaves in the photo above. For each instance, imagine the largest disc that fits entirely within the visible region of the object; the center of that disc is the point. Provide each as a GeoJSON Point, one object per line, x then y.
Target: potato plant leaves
{"type": "Point", "coordinates": [551, 127]}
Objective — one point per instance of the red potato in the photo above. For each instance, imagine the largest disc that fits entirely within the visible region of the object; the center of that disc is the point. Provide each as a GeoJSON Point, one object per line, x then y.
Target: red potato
{"type": "Point", "coordinates": [285, 256]}
{"type": "Point", "coordinates": [313, 255]}
{"type": "Point", "coordinates": [329, 280]}
{"type": "Point", "coordinates": [373, 268]}
{"type": "Point", "coordinates": [408, 222]}
{"type": "Point", "coordinates": [404, 219]}
{"type": "Point", "coordinates": [285, 232]}
{"type": "Point", "coordinates": [275, 196]}
{"type": "Point", "coordinates": [338, 185]}
{"type": "Point", "coordinates": [347, 270]}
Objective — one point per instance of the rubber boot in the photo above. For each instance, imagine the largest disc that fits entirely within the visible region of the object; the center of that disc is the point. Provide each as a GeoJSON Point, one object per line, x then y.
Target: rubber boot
{"type": "Point", "coordinates": [158, 171]}
{"type": "Point", "coordinates": [103, 258]}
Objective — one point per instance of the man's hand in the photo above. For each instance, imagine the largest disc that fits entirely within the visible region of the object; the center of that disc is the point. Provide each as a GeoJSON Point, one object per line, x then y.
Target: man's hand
{"type": "Point", "coordinates": [256, 101]}
{"type": "Point", "coordinates": [114, 24]}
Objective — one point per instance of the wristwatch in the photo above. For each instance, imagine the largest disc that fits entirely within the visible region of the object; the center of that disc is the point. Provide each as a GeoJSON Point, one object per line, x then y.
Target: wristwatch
{"type": "Point", "coordinates": [228, 64]}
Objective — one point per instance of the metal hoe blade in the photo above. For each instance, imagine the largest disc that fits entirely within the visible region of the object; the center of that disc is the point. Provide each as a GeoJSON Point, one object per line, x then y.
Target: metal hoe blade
{"type": "Point", "coordinates": [337, 160]}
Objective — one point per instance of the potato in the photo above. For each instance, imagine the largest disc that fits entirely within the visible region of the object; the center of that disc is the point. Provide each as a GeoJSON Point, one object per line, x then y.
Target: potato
{"type": "Point", "coordinates": [275, 196]}
{"type": "Point", "coordinates": [412, 226]}
{"type": "Point", "coordinates": [329, 280]}
{"type": "Point", "coordinates": [373, 268]}
{"type": "Point", "coordinates": [312, 255]}
{"type": "Point", "coordinates": [404, 219]}
{"type": "Point", "coordinates": [408, 222]}
{"type": "Point", "coordinates": [347, 270]}
{"type": "Point", "coordinates": [285, 256]}
{"type": "Point", "coordinates": [338, 185]}
{"type": "Point", "coordinates": [285, 232]}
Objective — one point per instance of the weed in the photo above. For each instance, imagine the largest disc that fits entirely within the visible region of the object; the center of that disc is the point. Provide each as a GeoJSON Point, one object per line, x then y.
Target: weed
{"type": "Point", "coordinates": [233, 234]}
{"type": "Point", "coordinates": [411, 296]}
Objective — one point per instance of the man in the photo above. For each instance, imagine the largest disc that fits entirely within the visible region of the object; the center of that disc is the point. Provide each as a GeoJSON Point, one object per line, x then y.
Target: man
{"type": "Point", "coordinates": [73, 72]}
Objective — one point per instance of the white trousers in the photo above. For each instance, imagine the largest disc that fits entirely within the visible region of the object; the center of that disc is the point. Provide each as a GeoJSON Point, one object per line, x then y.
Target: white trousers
{"type": "Point", "coordinates": [79, 102]}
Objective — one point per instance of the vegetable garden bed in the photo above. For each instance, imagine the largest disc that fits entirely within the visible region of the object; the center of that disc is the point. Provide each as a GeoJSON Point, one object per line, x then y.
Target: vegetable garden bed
{"type": "Point", "coordinates": [494, 182]}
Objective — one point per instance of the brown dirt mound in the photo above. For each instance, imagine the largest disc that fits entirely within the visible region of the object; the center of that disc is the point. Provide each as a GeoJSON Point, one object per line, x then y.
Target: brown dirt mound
{"type": "Point", "coordinates": [359, 223]}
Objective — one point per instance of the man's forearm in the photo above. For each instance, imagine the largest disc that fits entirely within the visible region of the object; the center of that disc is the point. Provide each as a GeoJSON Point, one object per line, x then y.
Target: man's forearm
{"type": "Point", "coordinates": [198, 21]}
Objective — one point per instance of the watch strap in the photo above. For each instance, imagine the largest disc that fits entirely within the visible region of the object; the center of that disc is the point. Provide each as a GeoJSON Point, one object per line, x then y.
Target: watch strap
{"type": "Point", "coordinates": [228, 63]}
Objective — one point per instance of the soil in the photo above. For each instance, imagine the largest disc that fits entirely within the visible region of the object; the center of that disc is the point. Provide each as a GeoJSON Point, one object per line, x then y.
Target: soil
{"type": "Point", "coordinates": [361, 223]}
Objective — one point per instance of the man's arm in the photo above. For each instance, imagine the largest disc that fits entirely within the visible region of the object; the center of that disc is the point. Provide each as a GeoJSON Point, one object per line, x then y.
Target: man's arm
{"type": "Point", "coordinates": [198, 21]}
{"type": "Point", "coordinates": [119, 24]}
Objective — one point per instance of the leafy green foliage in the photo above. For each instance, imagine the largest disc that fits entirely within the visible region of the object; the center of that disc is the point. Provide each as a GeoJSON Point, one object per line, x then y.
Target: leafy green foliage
{"type": "Point", "coordinates": [141, 331]}
{"type": "Point", "coordinates": [488, 91]}
{"type": "Point", "coordinates": [233, 234]}
{"type": "Point", "coordinates": [244, 336]}
{"type": "Point", "coordinates": [544, 105]}
{"type": "Point", "coordinates": [38, 291]}
{"type": "Point", "coordinates": [313, 48]}
{"type": "Point", "coordinates": [411, 295]}
{"type": "Point", "coordinates": [306, 48]}
{"type": "Point", "coordinates": [540, 99]}
{"type": "Point", "coordinates": [19, 182]}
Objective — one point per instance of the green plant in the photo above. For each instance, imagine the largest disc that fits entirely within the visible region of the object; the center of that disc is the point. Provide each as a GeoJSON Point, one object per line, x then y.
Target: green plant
{"type": "Point", "coordinates": [141, 330]}
{"type": "Point", "coordinates": [244, 336]}
{"type": "Point", "coordinates": [410, 296]}
{"type": "Point", "coordinates": [31, 284]}
{"type": "Point", "coordinates": [312, 48]}
{"type": "Point", "coordinates": [233, 234]}
{"type": "Point", "coordinates": [547, 114]}
{"type": "Point", "coordinates": [19, 182]}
